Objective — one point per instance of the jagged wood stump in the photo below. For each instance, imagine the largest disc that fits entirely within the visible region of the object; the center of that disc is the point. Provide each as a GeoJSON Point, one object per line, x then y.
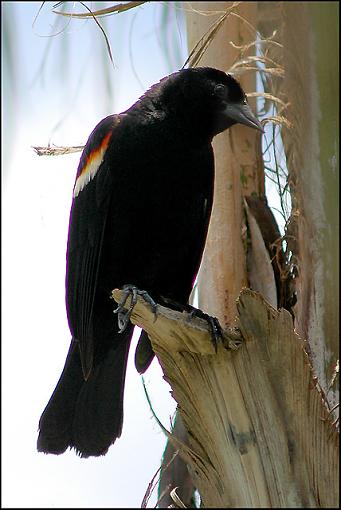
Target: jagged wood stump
{"type": "Point", "coordinates": [259, 428]}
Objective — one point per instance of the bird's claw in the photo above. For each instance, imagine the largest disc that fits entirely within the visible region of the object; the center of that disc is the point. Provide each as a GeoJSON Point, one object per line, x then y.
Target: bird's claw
{"type": "Point", "coordinates": [216, 330]}
{"type": "Point", "coordinates": [123, 314]}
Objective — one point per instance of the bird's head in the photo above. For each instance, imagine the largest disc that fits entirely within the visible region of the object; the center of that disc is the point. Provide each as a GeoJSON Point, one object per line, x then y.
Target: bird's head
{"type": "Point", "coordinates": [205, 99]}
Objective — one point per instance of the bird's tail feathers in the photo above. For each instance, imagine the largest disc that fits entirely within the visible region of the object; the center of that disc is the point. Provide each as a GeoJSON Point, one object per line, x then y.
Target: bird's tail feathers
{"type": "Point", "coordinates": [86, 415]}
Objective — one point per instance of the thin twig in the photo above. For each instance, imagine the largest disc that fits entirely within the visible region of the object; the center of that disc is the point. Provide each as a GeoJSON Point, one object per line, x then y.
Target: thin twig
{"type": "Point", "coordinates": [93, 15]}
{"type": "Point", "coordinates": [57, 151]}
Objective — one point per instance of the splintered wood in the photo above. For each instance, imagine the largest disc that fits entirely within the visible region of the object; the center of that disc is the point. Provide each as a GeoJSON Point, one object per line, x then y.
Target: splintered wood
{"type": "Point", "coordinates": [259, 428]}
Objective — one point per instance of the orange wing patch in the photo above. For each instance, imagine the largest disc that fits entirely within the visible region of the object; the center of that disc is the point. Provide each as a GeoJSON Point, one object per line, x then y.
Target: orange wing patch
{"type": "Point", "coordinates": [91, 166]}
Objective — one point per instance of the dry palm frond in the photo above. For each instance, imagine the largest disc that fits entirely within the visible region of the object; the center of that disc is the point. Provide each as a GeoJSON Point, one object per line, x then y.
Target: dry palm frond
{"type": "Point", "coordinates": [268, 96]}
{"type": "Point", "coordinates": [92, 14]}
{"type": "Point", "coordinates": [154, 481]}
{"type": "Point", "coordinates": [266, 40]}
{"type": "Point", "coordinates": [177, 500]}
{"type": "Point", "coordinates": [200, 48]}
{"type": "Point", "coordinates": [114, 9]}
{"type": "Point", "coordinates": [242, 67]}
{"type": "Point", "coordinates": [279, 120]}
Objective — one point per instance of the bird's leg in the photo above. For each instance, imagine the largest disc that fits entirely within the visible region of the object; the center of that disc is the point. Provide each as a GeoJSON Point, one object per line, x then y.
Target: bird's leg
{"type": "Point", "coordinates": [216, 329]}
{"type": "Point", "coordinates": [123, 315]}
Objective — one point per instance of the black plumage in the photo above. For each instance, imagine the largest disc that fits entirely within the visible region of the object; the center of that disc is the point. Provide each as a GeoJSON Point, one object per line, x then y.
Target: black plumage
{"type": "Point", "coordinates": [142, 202]}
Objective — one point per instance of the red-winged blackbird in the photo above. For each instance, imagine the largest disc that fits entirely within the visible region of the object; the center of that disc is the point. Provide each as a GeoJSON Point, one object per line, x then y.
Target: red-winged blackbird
{"type": "Point", "coordinates": [141, 206]}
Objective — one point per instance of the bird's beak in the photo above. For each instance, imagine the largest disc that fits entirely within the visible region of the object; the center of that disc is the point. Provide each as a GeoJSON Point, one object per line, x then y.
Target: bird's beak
{"type": "Point", "coordinates": [242, 113]}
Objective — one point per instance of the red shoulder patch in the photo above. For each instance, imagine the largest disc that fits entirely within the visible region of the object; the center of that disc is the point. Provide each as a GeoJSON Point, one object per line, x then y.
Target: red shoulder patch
{"type": "Point", "coordinates": [92, 162]}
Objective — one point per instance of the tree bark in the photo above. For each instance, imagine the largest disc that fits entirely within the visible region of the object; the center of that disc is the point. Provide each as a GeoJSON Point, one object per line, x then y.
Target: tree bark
{"type": "Point", "coordinates": [238, 169]}
{"type": "Point", "coordinates": [258, 419]}
{"type": "Point", "coordinates": [311, 85]}
{"type": "Point", "coordinates": [255, 439]}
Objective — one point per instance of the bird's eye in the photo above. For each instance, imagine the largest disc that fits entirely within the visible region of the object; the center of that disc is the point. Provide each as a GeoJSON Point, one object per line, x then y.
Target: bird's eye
{"type": "Point", "coordinates": [220, 91]}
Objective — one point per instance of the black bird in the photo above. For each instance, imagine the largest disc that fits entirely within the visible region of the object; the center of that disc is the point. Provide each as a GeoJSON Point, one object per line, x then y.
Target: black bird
{"type": "Point", "coordinates": [140, 212]}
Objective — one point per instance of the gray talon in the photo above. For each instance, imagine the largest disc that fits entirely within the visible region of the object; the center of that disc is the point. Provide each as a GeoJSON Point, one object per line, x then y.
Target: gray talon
{"type": "Point", "coordinates": [216, 331]}
{"type": "Point", "coordinates": [123, 316]}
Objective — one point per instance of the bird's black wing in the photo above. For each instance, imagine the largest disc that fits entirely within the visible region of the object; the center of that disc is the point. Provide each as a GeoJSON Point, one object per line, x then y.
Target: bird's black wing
{"type": "Point", "coordinates": [91, 198]}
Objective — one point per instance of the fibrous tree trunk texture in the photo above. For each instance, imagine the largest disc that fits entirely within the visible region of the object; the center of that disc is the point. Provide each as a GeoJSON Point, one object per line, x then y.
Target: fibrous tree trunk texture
{"type": "Point", "coordinates": [307, 51]}
{"type": "Point", "coordinates": [238, 173]}
{"type": "Point", "coordinates": [311, 84]}
{"type": "Point", "coordinates": [259, 420]}
{"type": "Point", "coordinates": [254, 439]}
{"type": "Point", "coordinates": [238, 169]}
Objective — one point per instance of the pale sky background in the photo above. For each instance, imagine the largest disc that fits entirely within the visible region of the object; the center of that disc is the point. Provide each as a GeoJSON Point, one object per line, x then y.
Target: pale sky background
{"type": "Point", "coordinates": [60, 100]}
{"type": "Point", "coordinates": [55, 90]}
